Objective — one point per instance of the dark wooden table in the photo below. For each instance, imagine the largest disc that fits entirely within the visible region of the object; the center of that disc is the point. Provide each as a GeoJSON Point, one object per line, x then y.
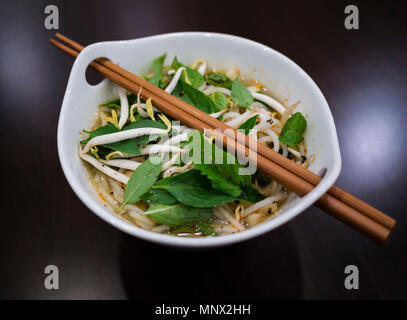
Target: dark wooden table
{"type": "Point", "coordinates": [363, 76]}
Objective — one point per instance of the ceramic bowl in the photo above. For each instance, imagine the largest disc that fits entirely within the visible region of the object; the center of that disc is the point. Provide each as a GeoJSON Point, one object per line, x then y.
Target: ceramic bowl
{"type": "Point", "coordinates": [285, 78]}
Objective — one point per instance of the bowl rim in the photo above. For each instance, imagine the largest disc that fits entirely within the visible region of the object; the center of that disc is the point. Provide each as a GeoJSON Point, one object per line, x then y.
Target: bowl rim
{"type": "Point", "coordinates": [203, 242]}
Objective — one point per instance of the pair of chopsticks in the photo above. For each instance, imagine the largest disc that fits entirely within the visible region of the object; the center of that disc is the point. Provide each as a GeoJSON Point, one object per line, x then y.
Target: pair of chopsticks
{"type": "Point", "coordinates": [352, 211]}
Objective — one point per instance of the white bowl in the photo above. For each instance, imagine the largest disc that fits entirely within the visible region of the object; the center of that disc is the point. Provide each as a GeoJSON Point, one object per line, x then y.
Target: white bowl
{"type": "Point", "coordinates": [254, 60]}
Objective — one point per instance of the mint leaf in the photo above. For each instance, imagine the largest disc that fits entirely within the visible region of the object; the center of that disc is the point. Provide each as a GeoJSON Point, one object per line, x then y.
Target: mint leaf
{"type": "Point", "coordinates": [292, 131]}
{"type": "Point", "coordinates": [240, 94]}
{"type": "Point", "coordinates": [291, 138]}
{"type": "Point", "coordinates": [220, 100]}
{"type": "Point", "coordinates": [248, 124]}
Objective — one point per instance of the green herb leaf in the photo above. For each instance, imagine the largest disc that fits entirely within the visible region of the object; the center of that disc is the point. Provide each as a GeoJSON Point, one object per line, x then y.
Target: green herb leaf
{"type": "Point", "coordinates": [249, 124]}
{"type": "Point", "coordinates": [157, 65]}
{"type": "Point", "coordinates": [195, 98]}
{"type": "Point", "coordinates": [218, 180]}
{"type": "Point", "coordinates": [183, 229]}
{"type": "Point", "coordinates": [214, 161]}
{"type": "Point", "coordinates": [178, 214]}
{"type": "Point", "coordinates": [142, 180]}
{"type": "Point", "coordinates": [194, 77]}
{"type": "Point", "coordinates": [219, 79]}
{"type": "Point", "coordinates": [292, 131]}
{"type": "Point", "coordinates": [116, 102]}
{"type": "Point", "coordinates": [251, 195]}
{"type": "Point", "coordinates": [129, 146]}
{"type": "Point", "coordinates": [175, 64]}
{"type": "Point", "coordinates": [240, 94]}
{"type": "Point", "coordinates": [193, 189]}
{"type": "Point", "coordinates": [220, 100]}
{"type": "Point", "coordinates": [205, 228]}
{"type": "Point", "coordinates": [158, 196]}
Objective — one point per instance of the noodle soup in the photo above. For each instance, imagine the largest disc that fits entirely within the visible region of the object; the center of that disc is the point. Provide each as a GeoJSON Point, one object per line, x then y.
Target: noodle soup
{"type": "Point", "coordinates": [149, 177]}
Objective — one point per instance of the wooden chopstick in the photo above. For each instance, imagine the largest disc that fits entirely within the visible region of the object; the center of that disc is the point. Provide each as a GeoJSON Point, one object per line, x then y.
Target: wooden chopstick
{"type": "Point", "coordinates": [268, 153]}
{"type": "Point", "coordinates": [337, 208]}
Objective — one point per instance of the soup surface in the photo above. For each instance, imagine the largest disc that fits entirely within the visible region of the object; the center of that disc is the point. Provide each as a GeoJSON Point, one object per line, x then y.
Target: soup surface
{"type": "Point", "coordinates": [168, 178]}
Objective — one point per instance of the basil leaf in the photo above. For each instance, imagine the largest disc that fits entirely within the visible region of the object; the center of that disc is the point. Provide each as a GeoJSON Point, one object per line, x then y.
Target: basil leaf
{"type": "Point", "coordinates": [107, 129]}
{"type": "Point", "coordinates": [205, 228]}
{"type": "Point", "coordinates": [157, 65]}
{"type": "Point", "coordinates": [129, 146]}
{"type": "Point", "coordinates": [142, 180]}
{"type": "Point", "coordinates": [193, 189]}
{"type": "Point", "coordinates": [248, 124]}
{"type": "Point", "coordinates": [292, 131]}
{"type": "Point", "coordinates": [219, 79]}
{"type": "Point", "coordinates": [178, 214]}
{"type": "Point", "coordinates": [220, 100]}
{"type": "Point", "coordinates": [175, 64]}
{"type": "Point", "coordinates": [194, 77]}
{"type": "Point", "coordinates": [158, 196]}
{"type": "Point", "coordinates": [179, 93]}
{"type": "Point", "coordinates": [240, 94]}
{"type": "Point", "coordinates": [197, 98]}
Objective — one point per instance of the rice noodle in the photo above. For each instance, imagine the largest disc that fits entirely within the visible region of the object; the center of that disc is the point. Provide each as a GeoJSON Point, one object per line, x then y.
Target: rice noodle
{"type": "Point", "coordinates": [112, 202]}
{"type": "Point", "coordinates": [118, 191]}
{"type": "Point", "coordinates": [101, 180]}
{"type": "Point", "coordinates": [230, 218]}
{"type": "Point", "coordinates": [274, 138]}
{"type": "Point", "coordinates": [262, 203]}
{"type": "Point", "coordinates": [137, 214]}
{"type": "Point", "coordinates": [224, 229]}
